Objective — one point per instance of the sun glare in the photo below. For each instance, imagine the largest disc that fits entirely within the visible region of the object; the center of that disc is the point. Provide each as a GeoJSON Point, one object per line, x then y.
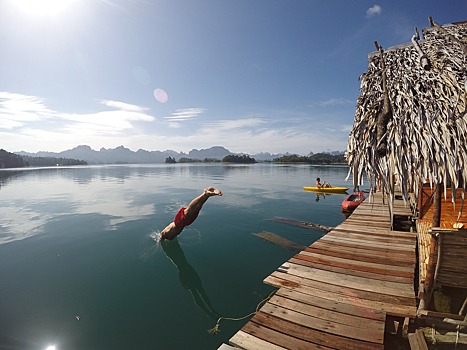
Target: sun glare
{"type": "Point", "coordinates": [42, 7]}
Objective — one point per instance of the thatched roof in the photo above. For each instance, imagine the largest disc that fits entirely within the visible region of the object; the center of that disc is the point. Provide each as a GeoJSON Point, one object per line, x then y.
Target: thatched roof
{"type": "Point", "coordinates": [410, 121]}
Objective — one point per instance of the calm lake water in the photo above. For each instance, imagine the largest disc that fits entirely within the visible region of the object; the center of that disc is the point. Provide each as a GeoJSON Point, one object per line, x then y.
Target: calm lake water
{"type": "Point", "coordinates": [80, 269]}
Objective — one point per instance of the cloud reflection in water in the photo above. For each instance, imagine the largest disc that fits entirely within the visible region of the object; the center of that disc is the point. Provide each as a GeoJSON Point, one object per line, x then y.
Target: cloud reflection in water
{"type": "Point", "coordinates": [34, 197]}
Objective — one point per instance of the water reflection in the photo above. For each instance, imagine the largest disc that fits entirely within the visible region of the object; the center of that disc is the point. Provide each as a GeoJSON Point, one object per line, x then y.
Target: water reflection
{"type": "Point", "coordinates": [7, 175]}
{"type": "Point", "coordinates": [32, 198]}
{"type": "Point", "coordinates": [321, 195]}
{"type": "Point", "coordinates": [117, 194]}
{"type": "Point", "coordinates": [189, 278]}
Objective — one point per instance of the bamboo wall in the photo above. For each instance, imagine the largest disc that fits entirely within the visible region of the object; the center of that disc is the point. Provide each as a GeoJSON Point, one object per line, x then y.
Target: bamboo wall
{"type": "Point", "coordinates": [449, 210]}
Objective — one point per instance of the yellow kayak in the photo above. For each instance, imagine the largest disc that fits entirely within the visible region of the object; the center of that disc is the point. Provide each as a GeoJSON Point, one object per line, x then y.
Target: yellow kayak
{"type": "Point", "coordinates": [326, 189]}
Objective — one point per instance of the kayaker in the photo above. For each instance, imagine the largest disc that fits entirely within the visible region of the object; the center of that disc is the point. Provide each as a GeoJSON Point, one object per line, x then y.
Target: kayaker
{"type": "Point", "coordinates": [186, 216]}
{"type": "Point", "coordinates": [323, 185]}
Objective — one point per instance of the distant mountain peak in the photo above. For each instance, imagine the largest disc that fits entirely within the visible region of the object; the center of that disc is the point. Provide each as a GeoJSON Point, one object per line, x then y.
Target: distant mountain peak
{"type": "Point", "coordinates": [121, 154]}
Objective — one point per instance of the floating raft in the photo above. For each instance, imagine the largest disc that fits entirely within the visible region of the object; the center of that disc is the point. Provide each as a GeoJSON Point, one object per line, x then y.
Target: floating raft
{"type": "Point", "coordinates": [338, 292]}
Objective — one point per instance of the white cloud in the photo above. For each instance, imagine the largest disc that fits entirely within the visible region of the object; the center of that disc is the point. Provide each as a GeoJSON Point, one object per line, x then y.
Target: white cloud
{"type": "Point", "coordinates": [26, 123]}
{"type": "Point", "coordinates": [27, 120]}
{"type": "Point", "coordinates": [251, 135]}
{"type": "Point", "coordinates": [181, 115]}
{"type": "Point", "coordinates": [108, 121]}
{"type": "Point", "coordinates": [123, 106]}
{"type": "Point", "coordinates": [16, 110]}
{"type": "Point", "coordinates": [374, 10]}
{"type": "Point", "coordinates": [224, 125]}
{"type": "Point", "coordinates": [335, 102]}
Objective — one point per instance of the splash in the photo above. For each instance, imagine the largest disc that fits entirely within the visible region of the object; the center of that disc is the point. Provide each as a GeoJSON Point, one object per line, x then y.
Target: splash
{"type": "Point", "coordinates": [156, 236]}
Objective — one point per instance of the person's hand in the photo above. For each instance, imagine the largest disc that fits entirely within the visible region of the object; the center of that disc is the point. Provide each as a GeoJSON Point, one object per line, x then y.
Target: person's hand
{"type": "Point", "coordinates": [211, 191]}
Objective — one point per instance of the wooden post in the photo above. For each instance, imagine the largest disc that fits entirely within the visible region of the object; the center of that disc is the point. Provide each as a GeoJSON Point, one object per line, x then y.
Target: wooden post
{"type": "Point", "coordinates": [430, 274]}
{"type": "Point", "coordinates": [437, 206]}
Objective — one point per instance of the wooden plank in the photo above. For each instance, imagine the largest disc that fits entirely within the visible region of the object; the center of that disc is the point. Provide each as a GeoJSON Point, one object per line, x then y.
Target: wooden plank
{"type": "Point", "coordinates": [302, 224]}
{"type": "Point", "coordinates": [280, 241]}
{"type": "Point", "coordinates": [365, 224]}
{"type": "Point", "coordinates": [378, 234]}
{"type": "Point", "coordinates": [417, 341]}
{"type": "Point", "coordinates": [370, 220]}
{"type": "Point", "coordinates": [335, 292]}
{"type": "Point", "coordinates": [374, 332]}
{"type": "Point", "coordinates": [334, 316]}
{"type": "Point", "coordinates": [244, 340]}
{"type": "Point", "coordinates": [328, 304]}
{"type": "Point", "coordinates": [405, 237]}
{"type": "Point", "coordinates": [353, 282]}
{"type": "Point", "coordinates": [441, 315]}
{"type": "Point", "coordinates": [226, 347]}
{"type": "Point", "coordinates": [314, 336]}
{"type": "Point", "coordinates": [372, 237]}
{"type": "Point", "coordinates": [366, 244]}
{"type": "Point", "coordinates": [346, 297]}
{"type": "Point", "coordinates": [278, 338]}
{"type": "Point", "coordinates": [352, 270]}
{"type": "Point", "coordinates": [339, 246]}
{"type": "Point", "coordinates": [376, 209]}
{"type": "Point", "coordinates": [358, 254]}
{"type": "Point", "coordinates": [375, 267]}
{"type": "Point", "coordinates": [344, 227]}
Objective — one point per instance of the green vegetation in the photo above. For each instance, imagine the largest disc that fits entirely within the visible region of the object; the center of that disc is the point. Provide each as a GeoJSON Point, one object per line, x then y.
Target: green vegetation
{"type": "Point", "coordinates": [318, 158]}
{"type": "Point", "coordinates": [243, 159]}
{"type": "Point", "coordinates": [52, 161]}
{"type": "Point", "coordinates": [192, 160]}
{"type": "Point", "coordinates": [11, 160]}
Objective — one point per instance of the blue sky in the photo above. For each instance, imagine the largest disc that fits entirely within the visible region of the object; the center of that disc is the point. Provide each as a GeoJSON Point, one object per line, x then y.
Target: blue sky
{"type": "Point", "coordinates": [250, 75]}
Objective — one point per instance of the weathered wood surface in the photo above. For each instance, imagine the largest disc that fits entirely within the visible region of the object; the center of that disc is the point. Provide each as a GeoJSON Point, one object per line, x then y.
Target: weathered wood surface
{"type": "Point", "coordinates": [303, 224]}
{"type": "Point", "coordinates": [417, 341]}
{"type": "Point", "coordinates": [336, 293]}
{"type": "Point", "coordinates": [278, 240]}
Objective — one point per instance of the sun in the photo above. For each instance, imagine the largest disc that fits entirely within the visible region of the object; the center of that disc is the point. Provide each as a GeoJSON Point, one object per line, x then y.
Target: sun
{"type": "Point", "coordinates": [42, 7]}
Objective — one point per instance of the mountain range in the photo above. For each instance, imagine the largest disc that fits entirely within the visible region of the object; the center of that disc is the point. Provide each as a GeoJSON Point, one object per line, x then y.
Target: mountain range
{"type": "Point", "coordinates": [122, 155]}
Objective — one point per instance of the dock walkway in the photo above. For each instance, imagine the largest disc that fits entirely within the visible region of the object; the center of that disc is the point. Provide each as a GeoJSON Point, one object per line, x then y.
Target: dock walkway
{"type": "Point", "coordinates": [336, 293]}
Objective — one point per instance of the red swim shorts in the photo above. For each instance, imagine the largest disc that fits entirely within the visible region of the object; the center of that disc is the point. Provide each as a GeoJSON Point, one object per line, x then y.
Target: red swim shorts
{"type": "Point", "coordinates": [181, 220]}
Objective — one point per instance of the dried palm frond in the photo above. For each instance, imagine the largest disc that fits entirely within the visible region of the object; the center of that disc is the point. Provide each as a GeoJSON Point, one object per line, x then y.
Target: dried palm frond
{"type": "Point", "coordinates": [425, 136]}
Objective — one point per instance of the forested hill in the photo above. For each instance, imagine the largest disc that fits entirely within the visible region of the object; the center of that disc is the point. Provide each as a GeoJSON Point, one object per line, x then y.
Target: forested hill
{"type": "Point", "coordinates": [12, 160]}
{"type": "Point", "coordinates": [317, 158]}
{"type": "Point", "coordinates": [52, 161]}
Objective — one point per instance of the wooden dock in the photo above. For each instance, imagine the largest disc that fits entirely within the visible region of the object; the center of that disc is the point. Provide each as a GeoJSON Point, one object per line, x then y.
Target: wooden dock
{"type": "Point", "coordinates": [338, 292]}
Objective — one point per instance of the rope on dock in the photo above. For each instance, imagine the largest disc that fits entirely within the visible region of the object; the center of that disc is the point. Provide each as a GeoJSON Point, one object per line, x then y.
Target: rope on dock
{"type": "Point", "coordinates": [215, 329]}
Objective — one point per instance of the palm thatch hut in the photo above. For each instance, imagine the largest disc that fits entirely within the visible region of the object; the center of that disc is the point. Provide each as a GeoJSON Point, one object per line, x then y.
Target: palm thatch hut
{"type": "Point", "coordinates": [409, 138]}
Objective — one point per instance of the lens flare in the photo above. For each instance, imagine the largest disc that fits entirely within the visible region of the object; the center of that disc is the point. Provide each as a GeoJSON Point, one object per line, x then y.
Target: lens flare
{"type": "Point", "coordinates": [161, 95]}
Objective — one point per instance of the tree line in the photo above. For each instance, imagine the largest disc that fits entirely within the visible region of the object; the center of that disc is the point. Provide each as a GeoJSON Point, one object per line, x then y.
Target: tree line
{"type": "Point", "coordinates": [318, 158]}
{"type": "Point", "coordinates": [12, 160]}
{"type": "Point", "coordinates": [232, 158]}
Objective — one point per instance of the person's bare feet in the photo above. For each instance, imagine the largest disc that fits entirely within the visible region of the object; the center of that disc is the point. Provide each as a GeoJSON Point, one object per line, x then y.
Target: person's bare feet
{"type": "Point", "coordinates": [211, 191]}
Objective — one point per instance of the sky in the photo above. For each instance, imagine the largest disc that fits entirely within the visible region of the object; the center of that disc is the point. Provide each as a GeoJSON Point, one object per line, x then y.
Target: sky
{"type": "Point", "coordinates": [249, 75]}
